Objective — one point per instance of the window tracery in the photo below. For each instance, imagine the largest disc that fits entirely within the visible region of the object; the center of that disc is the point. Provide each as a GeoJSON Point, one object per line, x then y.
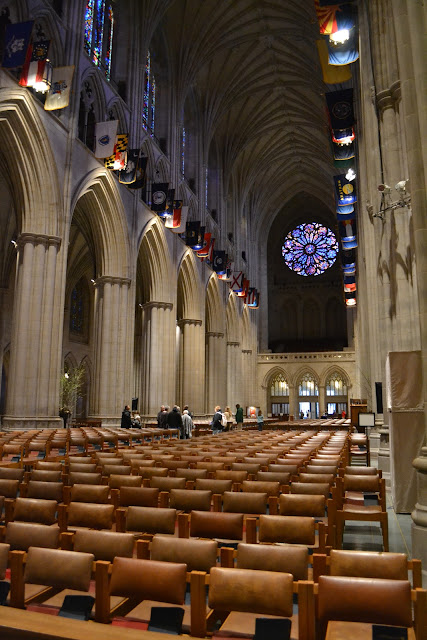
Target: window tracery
{"type": "Point", "coordinates": [279, 386]}
{"type": "Point", "coordinates": [149, 102]}
{"type": "Point", "coordinates": [310, 249]}
{"type": "Point", "coordinates": [336, 385]}
{"type": "Point", "coordinates": [99, 32]}
{"type": "Point", "coordinates": [308, 386]}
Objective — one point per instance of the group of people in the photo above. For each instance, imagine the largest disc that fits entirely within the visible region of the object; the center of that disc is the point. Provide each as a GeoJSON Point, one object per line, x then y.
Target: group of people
{"type": "Point", "coordinates": [174, 419]}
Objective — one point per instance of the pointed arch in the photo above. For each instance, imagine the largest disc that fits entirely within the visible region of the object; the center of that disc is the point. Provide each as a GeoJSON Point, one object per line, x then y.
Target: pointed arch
{"type": "Point", "coordinates": [154, 265]}
{"type": "Point", "coordinates": [305, 371]}
{"type": "Point", "coordinates": [30, 160]}
{"type": "Point", "coordinates": [271, 374]}
{"type": "Point", "coordinates": [214, 307]}
{"type": "Point", "coordinates": [233, 323]}
{"type": "Point", "coordinates": [97, 208]}
{"type": "Point", "coordinates": [115, 108]}
{"type": "Point", "coordinates": [162, 171]}
{"type": "Point", "coordinates": [332, 370]}
{"type": "Point", "coordinates": [246, 329]}
{"type": "Point", "coordinates": [91, 83]}
{"type": "Point", "coordinates": [189, 293]}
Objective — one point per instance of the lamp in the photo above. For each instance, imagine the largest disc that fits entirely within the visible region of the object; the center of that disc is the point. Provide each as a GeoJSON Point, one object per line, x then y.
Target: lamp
{"type": "Point", "coordinates": [339, 37]}
{"type": "Point", "coordinates": [45, 83]}
{"type": "Point", "coordinates": [403, 201]}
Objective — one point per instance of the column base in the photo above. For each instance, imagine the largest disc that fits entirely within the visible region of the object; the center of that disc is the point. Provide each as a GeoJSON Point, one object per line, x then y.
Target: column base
{"type": "Point", "coordinates": [419, 547]}
{"type": "Point", "coordinates": [11, 423]}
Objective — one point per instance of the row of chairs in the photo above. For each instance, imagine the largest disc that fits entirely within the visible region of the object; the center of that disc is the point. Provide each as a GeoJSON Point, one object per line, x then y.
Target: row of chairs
{"type": "Point", "coordinates": [255, 580]}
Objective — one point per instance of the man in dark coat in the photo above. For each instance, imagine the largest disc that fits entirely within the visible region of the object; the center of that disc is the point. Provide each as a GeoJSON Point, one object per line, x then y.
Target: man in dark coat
{"type": "Point", "coordinates": [175, 419]}
{"type": "Point", "coordinates": [126, 418]}
{"type": "Point", "coordinates": [216, 420]}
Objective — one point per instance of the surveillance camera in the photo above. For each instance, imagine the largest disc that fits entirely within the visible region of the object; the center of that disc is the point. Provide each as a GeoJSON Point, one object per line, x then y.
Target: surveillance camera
{"type": "Point", "coordinates": [401, 186]}
{"type": "Point", "coordinates": [384, 188]}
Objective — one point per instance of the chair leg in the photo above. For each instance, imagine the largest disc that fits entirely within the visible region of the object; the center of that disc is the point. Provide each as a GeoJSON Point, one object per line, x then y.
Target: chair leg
{"type": "Point", "coordinates": [384, 528]}
{"type": "Point", "coordinates": [339, 532]}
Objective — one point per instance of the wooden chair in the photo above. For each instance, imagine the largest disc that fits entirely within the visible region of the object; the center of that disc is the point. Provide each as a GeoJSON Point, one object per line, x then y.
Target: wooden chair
{"type": "Point", "coordinates": [359, 448]}
{"type": "Point", "coordinates": [34, 510]}
{"type": "Point", "coordinates": [52, 570]}
{"type": "Point", "coordinates": [135, 496]}
{"type": "Point", "coordinates": [357, 600]}
{"type": "Point", "coordinates": [88, 515]}
{"type": "Point", "coordinates": [226, 528]}
{"type": "Point", "coordinates": [103, 545]}
{"type": "Point", "coordinates": [146, 521]}
{"type": "Point", "coordinates": [367, 564]}
{"type": "Point", "coordinates": [293, 530]}
{"type": "Point", "coordinates": [238, 596]}
{"type": "Point", "coordinates": [23, 535]}
{"type": "Point", "coordinates": [345, 510]}
{"type": "Point", "coordinates": [96, 494]}
{"type": "Point", "coordinates": [186, 500]}
{"type": "Point", "coordinates": [43, 490]}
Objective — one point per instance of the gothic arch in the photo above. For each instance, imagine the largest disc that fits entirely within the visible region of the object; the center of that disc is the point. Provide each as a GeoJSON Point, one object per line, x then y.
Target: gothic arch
{"type": "Point", "coordinates": [97, 204]}
{"type": "Point", "coordinates": [162, 171]}
{"type": "Point", "coordinates": [301, 373]}
{"type": "Point", "coordinates": [214, 307]}
{"type": "Point", "coordinates": [246, 341]}
{"type": "Point", "coordinates": [270, 375]}
{"type": "Point", "coordinates": [189, 293]}
{"type": "Point", "coordinates": [30, 160]}
{"type": "Point", "coordinates": [115, 108]}
{"type": "Point", "coordinates": [325, 375]}
{"type": "Point", "coordinates": [154, 265]}
{"type": "Point", "coordinates": [90, 81]}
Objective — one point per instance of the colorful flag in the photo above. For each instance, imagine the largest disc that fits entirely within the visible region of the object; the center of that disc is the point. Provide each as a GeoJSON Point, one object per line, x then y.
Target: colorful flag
{"type": "Point", "coordinates": [343, 152]}
{"type": "Point", "coordinates": [58, 96]}
{"type": "Point", "coordinates": [245, 288]}
{"type": "Point", "coordinates": [198, 240]}
{"type": "Point", "coordinates": [237, 281]}
{"type": "Point", "coordinates": [141, 174]}
{"type": "Point", "coordinates": [16, 42]}
{"type": "Point", "coordinates": [331, 74]}
{"type": "Point", "coordinates": [117, 161]}
{"type": "Point", "coordinates": [343, 136]}
{"type": "Point", "coordinates": [35, 63]}
{"type": "Point", "coordinates": [205, 250]}
{"type": "Point", "coordinates": [349, 284]}
{"type": "Point", "coordinates": [348, 236]}
{"type": "Point", "coordinates": [250, 295]}
{"type": "Point", "coordinates": [255, 302]}
{"type": "Point", "coordinates": [345, 212]}
{"type": "Point", "coordinates": [343, 53]}
{"type": "Point", "coordinates": [345, 191]}
{"type": "Point", "coordinates": [177, 222]}
{"type": "Point", "coordinates": [105, 138]}
{"type": "Point", "coordinates": [340, 107]}
{"type": "Point", "coordinates": [192, 233]}
{"type": "Point", "coordinates": [128, 175]}
{"type": "Point", "coordinates": [335, 18]}
{"type": "Point", "coordinates": [219, 262]}
{"type": "Point", "coordinates": [159, 196]}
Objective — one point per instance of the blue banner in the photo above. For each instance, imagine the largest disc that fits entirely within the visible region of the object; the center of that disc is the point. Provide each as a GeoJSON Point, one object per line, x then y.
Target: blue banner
{"type": "Point", "coordinates": [16, 41]}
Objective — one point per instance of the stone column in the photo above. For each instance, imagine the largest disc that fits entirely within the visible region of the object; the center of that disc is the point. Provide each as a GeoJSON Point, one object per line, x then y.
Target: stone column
{"type": "Point", "coordinates": [322, 399]}
{"type": "Point", "coordinates": [192, 365]}
{"type": "Point", "coordinates": [419, 514]}
{"type": "Point", "coordinates": [112, 358]}
{"type": "Point", "coordinates": [216, 371]}
{"type": "Point", "coordinates": [249, 397]}
{"type": "Point", "coordinates": [157, 357]}
{"type": "Point", "coordinates": [293, 402]}
{"type": "Point", "coordinates": [33, 393]}
{"type": "Point", "coordinates": [234, 374]}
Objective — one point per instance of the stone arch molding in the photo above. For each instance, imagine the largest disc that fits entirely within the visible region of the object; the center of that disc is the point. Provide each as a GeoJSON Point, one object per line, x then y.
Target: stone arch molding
{"type": "Point", "coordinates": [302, 372]}
{"type": "Point", "coordinates": [31, 162]}
{"type": "Point", "coordinates": [156, 263]}
{"type": "Point", "coordinates": [271, 374]}
{"type": "Point", "coordinates": [99, 198]}
{"type": "Point", "coordinates": [330, 371]}
{"type": "Point", "coordinates": [189, 289]}
{"type": "Point", "coordinates": [233, 320]}
{"type": "Point", "coordinates": [215, 317]}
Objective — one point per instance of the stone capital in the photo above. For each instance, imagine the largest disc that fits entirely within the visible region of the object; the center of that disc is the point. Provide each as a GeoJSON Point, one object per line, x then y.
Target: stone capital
{"type": "Point", "coordinates": [246, 350]}
{"type": "Point", "coordinates": [214, 334]}
{"type": "Point", "coordinates": [154, 304]}
{"type": "Point", "coordinates": [37, 239]}
{"type": "Point", "coordinates": [103, 280]}
{"type": "Point", "coordinates": [387, 98]}
{"type": "Point", "coordinates": [232, 343]}
{"type": "Point", "coordinates": [189, 321]}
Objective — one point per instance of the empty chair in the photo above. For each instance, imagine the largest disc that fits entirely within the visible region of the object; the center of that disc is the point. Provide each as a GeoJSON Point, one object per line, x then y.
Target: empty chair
{"type": "Point", "coordinates": [213, 525]}
{"type": "Point", "coordinates": [95, 494]}
{"type": "Point", "coordinates": [146, 520]}
{"type": "Point", "coordinates": [44, 490]}
{"type": "Point", "coordinates": [23, 535]}
{"type": "Point", "coordinates": [287, 559]}
{"type": "Point", "coordinates": [103, 545]}
{"type": "Point", "coordinates": [252, 503]}
{"type": "Point", "coordinates": [292, 530]}
{"type": "Point", "coordinates": [78, 477]}
{"type": "Point", "coordinates": [302, 505]}
{"type": "Point", "coordinates": [189, 499]}
{"type": "Point", "coordinates": [312, 488]}
{"type": "Point", "coordinates": [35, 510]}
{"type": "Point", "coordinates": [166, 483]}
{"type": "Point", "coordinates": [138, 496]}
{"type": "Point", "coordinates": [216, 486]}
{"type": "Point", "coordinates": [83, 468]}
{"type": "Point", "coordinates": [43, 475]}
{"type": "Point", "coordinates": [85, 514]}
{"type": "Point", "coordinates": [12, 473]}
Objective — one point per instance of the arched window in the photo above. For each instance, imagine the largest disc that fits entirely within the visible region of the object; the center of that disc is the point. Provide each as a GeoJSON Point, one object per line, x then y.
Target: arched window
{"type": "Point", "coordinates": [99, 32]}
{"type": "Point", "coordinates": [149, 106]}
{"type": "Point", "coordinates": [336, 386]}
{"type": "Point", "coordinates": [308, 386]}
{"type": "Point", "coordinates": [279, 386]}
{"type": "Point", "coordinates": [79, 311]}
{"type": "Point", "coordinates": [183, 151]}
{"type": "Point", "coordinates": [87, 119]}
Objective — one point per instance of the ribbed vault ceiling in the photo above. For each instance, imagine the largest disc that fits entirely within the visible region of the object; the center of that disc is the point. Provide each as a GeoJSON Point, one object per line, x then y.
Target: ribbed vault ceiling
{"type": "Point", "coordinates": [254, 68]}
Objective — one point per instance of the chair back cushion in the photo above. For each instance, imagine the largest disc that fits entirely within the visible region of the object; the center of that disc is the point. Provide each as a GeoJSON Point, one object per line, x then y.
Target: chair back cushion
{"type": "Point", "coordinates": [302, 505]}
{"type": "Point", "coordinates": [261, 486]}
{"type": "Point", "coordinates": [23, 535]}
{"type": "Point", "coordinates": [96, 494]}
{"type": "Point", "coordinates": [274, 476]}
{"type": "Point", "coordinates": [46, 475]}
{"type": "Point", "coordinates": [81, 467]}
{"type": "Point", "coordinates": [139, 496]}
{"type": "Point", "coordinates": [79, 477]}
{"type": "Point", "coordinates": [91, 515]}
{"type": "Point", "coordinates": [45, 490]}
{"type": "Point", "coordinates": [264, 592]}
{"type": "Point", "coordinates": [4, 559]}
{"type": "Point", "coordinates": [166, 484]}
{"type": "Point", "coordinates": [209, 524]}
{"type": "Point", "coordinates": [216, 486]}
{"type": "Point", "coordinates": [149, 580]}
{"type": "Point", "coordinates": [118, 481]}
{"type": "Point", "coordinates": [35, 510]}
{"type": "Point", "coordinates": [266, 557]}
{"type": "Point", "coordinates": [59, 569]}
{"type": "Point", "coordinates": [9, 487]}
{"type": "Point", "coordinates": [189, 499]}
{"type": "Point", "coordinates": [311, 488]}
{"type": "Point", "coordinates": [361, 483]}
{"type": "Point", "coordinates": [104, 545]}
{"type": "Point", "coordinates": [150, 520]}
{"type": "Point", "coordinates": [11, 473]}
{"type": "Point", "coordinates": [369, 564]}
{"type": "Point", "coordinates": [291, 529]}
{"type": "Point", "coordinates": [198, 555]}
{"type": "Point", "coordinates": [234, 476]}
{"type": "Point", "coordinates": [236, 502]}
{"type": "Point", "coordinates": [365, 600]}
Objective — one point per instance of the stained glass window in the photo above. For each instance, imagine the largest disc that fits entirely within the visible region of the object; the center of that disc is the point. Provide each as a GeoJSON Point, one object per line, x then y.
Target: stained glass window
{"type": "Point", "coordinates": [183, 151]}
{"type": "Point", "coordinates": [336, 386]}
{"type": "Point", "coordinates": [99, 30]}
{"type": "Point", "coordinates": [149, 103]}
{"type": "Point", "coordinates": [310, 249]}
{"type": "Point", "coordinates": [279, 386]}
{"type": "Point", "coordinates": [308, 386]}
{"type": "Point", "coordinates": [77, 309]}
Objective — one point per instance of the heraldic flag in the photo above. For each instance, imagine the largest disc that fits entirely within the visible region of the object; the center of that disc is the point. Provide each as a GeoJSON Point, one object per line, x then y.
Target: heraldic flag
{"type": "Point", "coordinates": [205, 250]}
{"type": "Point", "coordinates": [192, 233]}
{"type": "Point", "coordinates": [159, 195]}
{"type": "Point", "coordinates": [16, 42]}
{"type": "Point", "coordinates": [219, 263]}
{"type": "Point", "coordinates": [128, 175]}
{"type": "Point", "coordinates": [35, 62]}
{"type": "Point", "coordinates": [117, 161]}
{"type": "Point", "coordinates": [343, 53]}
{"type": "Point", "coordinates": [140, 175]}
{"type": "Point", "coordinates": [177, 222]}
{"type": "Point", "coordinates": [58, 96]}
{"type": "Point", "coordinates": [105, 138]}
{"type": "Point", "coordinates": [340, 107]}
{"type": "Point", "coordinates": [332, 74]}
{"type": "Point", "coordinates": [237, 281]}
{"type": "Point", "coordinates": [334, 18]}
{"type": "Point", "coordinates": [345, 190]}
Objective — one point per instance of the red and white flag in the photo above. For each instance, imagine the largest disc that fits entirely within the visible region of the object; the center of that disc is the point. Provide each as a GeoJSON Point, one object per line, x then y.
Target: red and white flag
{"type": "Point", "coordinates": [35, 63]}
{"type": "Point", "coordinates": [177, 221]}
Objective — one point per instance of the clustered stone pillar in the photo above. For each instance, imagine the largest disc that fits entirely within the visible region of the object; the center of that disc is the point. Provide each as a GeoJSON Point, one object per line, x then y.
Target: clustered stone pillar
{"type": "Point", "coordinates": [33, 394]}
{"type": "Point", "coordinates": [234, 375]}
{"type": "Point", "coordinates": [247, 377]}
{"type": "Point", "coordinates": [192, 365]}
{"type": "Point", "coordinates": [157, 356]}
{"type": "Point", "coordinates": [113, 360]}
{"type": "Point", "coordinates": [216, 371]}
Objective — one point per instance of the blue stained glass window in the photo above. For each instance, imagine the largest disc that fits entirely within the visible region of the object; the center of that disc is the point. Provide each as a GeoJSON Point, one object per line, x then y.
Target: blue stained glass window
{"type": "Point", "coordinates": [109, 40]}
{"type": "Point", "coordinates": [146, 105]}
{"type": "Point", "coordinates": [99, 30]}
{"type": "Point", "coordinates": [183, 151]}
{"type": "Point", "coordinates": [89, 25]}
{"type": "Point", "coordinates": [77, 309]}
{"type": "Point", "coordinates": [153, 104]}
{"type": "Point", "coordinates": [310, 249]}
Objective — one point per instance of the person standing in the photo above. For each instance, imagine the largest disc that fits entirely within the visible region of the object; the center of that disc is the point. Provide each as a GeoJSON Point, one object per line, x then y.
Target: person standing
{"type": "Point", "coordinates": [239, 417]}
{"type": "Point", "coordinates": [229, 418]}
{"type": "Point", "coordinates": [174, 420]}
{"type": "Point", "coordinates": [216, 420]}
{"type": "Point", "coordinates": [126, 422]}
{"type": "Point", "coordinates": [260, 420]}
{"type": "Point", "coordinates": [162, 417]}
{"type": "Point", "coordinates": [187, 424]}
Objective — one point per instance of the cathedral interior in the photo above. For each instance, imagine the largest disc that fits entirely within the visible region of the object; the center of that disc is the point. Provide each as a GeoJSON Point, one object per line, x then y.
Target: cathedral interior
{"type": "Point", "coordinates": [230, 111]}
